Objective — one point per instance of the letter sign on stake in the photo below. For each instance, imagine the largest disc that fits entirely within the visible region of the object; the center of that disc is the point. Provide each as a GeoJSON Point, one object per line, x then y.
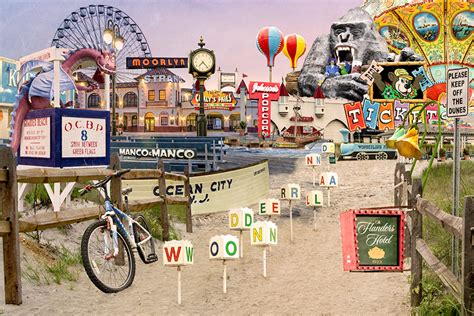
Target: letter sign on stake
{"type": "Point", "coordinates": [178, 253]}
{"type": "Point", "coordinates": [314, 198]}
{"type": "Point", "coordinates": [241, 219]}
{"type": "Point", "coordinates": [328, 148]}
{"type": "Point", "coordinates": [269, 207]}
{"type": "Point", "coordinates": [224, 247]}
{"type": "Point", "coordinates": [313, 159]}
{"type": "Point", "coordinates": [264, 233]}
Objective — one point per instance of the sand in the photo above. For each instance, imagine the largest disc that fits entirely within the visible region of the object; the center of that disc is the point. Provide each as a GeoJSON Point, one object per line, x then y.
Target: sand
{"type": "Point", "coordinates": [303, 278]}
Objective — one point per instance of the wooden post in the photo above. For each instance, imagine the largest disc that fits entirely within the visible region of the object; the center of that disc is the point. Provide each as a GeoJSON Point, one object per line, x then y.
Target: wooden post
{"type": "Point", "coordinates": [116, 199]}
{"type": "Point", "coordinates": [224, 281]}
{"type": "Point", "coordinates": [396, 181]}
{"type": "Point", "coordinates": [179, 285]}
{"type": "Point", "coordinates": [467, 257]}
{"type": "Point", "coordinates": [11, 241]}
{"type": "Point", "coordinates": [187, 193]}
{"type": "Point", "coordinates": [163, 207]}
{"type": "Point", "coordinates": [291, 223]}
{"type": "Point", "coordinates": [115, 182]}
{"type": "Point", "coordinates": [416, 259]}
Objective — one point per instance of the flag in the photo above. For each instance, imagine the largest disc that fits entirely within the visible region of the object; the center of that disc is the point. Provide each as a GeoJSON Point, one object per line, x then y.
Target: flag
{"type": "Point", "coordinates": [244, 75]}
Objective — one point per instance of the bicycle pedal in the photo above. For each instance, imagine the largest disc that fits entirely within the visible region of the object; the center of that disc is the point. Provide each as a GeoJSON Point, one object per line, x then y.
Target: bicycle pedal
{"type": "Point", "coordinates": [152, 257]}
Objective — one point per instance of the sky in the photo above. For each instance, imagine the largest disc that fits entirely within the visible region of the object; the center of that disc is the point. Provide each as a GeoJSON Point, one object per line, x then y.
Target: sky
{"type": "Point", "coordinates": [173, 28]}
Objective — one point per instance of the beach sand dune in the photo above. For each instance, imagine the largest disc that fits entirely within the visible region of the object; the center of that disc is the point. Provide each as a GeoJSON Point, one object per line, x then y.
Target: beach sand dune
{"type": "Point", "coordinates": [303, 278]}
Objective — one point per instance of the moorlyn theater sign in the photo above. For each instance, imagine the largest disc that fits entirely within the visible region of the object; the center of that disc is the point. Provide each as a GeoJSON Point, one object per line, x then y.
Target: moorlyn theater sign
{"type": "Point", "coordinates": [156, 62]}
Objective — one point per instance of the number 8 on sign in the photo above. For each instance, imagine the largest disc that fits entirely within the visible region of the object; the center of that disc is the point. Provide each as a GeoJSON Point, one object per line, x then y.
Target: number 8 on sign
{"type": "Point", "coordinates": [84, 135]}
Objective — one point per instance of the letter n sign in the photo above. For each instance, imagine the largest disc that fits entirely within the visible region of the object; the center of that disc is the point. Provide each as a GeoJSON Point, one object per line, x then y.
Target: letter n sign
{"type": "Point", "coordinates": [354, 116]}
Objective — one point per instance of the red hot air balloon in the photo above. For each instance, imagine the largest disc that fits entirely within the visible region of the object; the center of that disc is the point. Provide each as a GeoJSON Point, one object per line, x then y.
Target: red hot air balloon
{"type": "Point", "coordinates": [270, 43]}
{"type": "Point", "coordinates": [295, 46]}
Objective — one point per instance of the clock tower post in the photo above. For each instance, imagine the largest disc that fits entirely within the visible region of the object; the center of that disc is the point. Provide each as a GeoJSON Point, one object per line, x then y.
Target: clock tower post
{"type": "Point", "coordinates": [202, 64]}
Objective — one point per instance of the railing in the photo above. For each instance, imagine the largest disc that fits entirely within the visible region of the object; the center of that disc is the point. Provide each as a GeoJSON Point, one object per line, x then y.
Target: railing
{"type": "Point", "coordinates": [11, 225]}
{"type": "Point", "coordinates": [462, 228]}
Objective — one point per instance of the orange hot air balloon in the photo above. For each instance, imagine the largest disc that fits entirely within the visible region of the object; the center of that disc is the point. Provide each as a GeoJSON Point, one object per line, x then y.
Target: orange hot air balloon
{"type": "Point", "coordinates": [294, 48]}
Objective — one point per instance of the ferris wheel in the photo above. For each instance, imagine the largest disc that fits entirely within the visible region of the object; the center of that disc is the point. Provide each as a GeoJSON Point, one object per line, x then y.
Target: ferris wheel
{"type": "Point", "coordinates": [87, 28]}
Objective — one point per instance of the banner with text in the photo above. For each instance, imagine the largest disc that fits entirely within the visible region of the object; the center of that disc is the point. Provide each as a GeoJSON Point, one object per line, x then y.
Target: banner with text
{"type": "Point", "coordinates": [215, 191]}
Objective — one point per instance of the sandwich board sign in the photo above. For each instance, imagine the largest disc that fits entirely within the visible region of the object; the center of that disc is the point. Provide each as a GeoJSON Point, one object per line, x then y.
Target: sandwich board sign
{"type": "Point", "coordinates": [458, 82]}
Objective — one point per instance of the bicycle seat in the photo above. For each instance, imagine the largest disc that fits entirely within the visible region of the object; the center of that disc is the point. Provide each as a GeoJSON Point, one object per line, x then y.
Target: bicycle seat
{"type": "Point", "coordinates": [127, 191]}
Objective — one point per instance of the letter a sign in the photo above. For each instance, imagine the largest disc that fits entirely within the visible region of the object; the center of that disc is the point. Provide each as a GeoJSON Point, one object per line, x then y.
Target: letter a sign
{"type": "Point", "coordinates": [458, 81]}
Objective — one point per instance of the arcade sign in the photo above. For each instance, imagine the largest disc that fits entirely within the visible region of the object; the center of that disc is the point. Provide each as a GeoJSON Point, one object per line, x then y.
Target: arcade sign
{"type": "Point", "coordinates": [156, 62]}
{"type": "Point", "coordinates": [215, 100]}
{"type": "Point", "coordinates": [264, 92]}
{"type": "Point", "coordinates": [373, 239]}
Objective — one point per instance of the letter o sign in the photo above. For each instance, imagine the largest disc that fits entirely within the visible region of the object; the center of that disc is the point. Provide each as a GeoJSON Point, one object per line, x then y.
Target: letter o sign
{"type": "Point", "coordinates": [214, 249]}
{"type": "Point", "coordinates": [234, 247]}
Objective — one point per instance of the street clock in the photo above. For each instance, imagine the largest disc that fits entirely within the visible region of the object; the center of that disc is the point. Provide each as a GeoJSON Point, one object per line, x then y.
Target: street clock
{"type": "Point", "coordinates": [202, 62]}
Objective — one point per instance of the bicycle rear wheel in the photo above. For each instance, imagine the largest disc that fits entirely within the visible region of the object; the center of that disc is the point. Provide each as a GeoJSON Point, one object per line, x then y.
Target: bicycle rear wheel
{"type": "Point", "coordinates": [146, 250]}
{"type": "Point", "coordinates": [108, 273]}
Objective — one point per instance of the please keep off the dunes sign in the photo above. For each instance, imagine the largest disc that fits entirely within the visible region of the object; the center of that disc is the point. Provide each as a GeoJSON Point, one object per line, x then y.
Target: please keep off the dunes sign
{"type": "Point", "coordinates": [215, 191]}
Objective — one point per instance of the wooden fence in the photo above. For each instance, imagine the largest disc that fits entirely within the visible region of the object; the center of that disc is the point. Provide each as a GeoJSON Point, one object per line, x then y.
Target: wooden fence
{"type": "Point", "coordinates": [462, 228]}
{"type": "Point", "coordinates": [11, 225]}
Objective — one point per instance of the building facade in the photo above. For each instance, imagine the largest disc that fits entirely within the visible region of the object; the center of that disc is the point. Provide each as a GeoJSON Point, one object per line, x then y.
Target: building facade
{"type": "Point", "coordinates": [8, 91]}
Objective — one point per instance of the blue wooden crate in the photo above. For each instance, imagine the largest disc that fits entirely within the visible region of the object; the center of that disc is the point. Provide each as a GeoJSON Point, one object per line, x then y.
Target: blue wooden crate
{"type": "Point", "coordinates": [76, 138]}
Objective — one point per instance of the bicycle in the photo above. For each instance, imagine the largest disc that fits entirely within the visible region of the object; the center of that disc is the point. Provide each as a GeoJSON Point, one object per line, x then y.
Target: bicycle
{"type": "Point", "coordinates": [107, 245]}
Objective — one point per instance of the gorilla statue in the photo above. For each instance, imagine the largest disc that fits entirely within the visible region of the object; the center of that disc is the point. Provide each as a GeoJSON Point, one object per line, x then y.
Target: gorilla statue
{"type": "Point", "coordinates": [353, 39]}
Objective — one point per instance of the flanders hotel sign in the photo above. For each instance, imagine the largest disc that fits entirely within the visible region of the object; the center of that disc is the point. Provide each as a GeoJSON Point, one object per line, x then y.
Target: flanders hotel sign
{"type": "Point", "coordinates": [156, 62]}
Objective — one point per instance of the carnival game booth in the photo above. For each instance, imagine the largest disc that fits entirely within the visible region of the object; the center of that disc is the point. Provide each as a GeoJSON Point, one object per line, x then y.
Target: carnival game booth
{"type": "Point", "coordinates": [194, 154]}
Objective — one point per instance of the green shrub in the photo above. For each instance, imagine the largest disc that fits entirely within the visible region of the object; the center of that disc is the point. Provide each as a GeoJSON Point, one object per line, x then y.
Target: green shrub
{"type": "Point", "coordinates": [153, 218]}
{"type": "Point", "coordinates": [39, 194]}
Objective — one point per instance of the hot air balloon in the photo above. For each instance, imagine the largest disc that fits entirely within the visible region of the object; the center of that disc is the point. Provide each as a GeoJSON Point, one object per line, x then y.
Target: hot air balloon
{"type": "Point", "coordinates": [294, 48]}
{"type": "Point", "coordinates": [270, 43]}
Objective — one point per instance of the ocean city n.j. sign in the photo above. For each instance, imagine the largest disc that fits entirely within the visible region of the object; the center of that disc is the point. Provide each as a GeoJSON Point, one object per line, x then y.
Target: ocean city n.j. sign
{"type": "Point", "coordinates": [156, 62]}
{"type": "Point", "coordinates": [215, 100]}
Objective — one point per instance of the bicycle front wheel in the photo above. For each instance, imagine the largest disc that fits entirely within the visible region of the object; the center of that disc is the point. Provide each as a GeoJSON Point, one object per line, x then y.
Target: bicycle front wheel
{"type": "Point", "coordinates": [109, 273]}
{"type": "Point", "coordinates": [146, 249]}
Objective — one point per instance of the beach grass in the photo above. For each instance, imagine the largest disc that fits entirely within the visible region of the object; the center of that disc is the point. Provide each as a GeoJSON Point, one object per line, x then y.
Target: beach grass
{"type": "Point", "coordinates": [436, 299]}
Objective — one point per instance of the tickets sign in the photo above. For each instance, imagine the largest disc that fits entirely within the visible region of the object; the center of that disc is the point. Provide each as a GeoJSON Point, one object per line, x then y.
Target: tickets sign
{"type": "Point", "coordinates": [265, 93]}
{"type": "Point", "coordinates": [83, 137]}
{"type": "Point", "coordinates": [386, 115]}
{"type": "Point", "coordinates": [36, 138]}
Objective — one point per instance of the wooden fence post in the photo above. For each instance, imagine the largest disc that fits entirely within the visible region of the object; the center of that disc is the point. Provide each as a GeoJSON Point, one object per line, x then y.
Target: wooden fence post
{"type": "Point", "coordinates": [11, 241]}
{"type": "Point", "coordinates": [396, 180]}
{"type": "Point", "coordinates": [417, 232]}
{"type": "Point", "coordinates": [115, 182]}
{"type": "Point", "coordinates": [163, 207]}
{"type": "Point", "coordinates": [187, 193]}
{"type": "Point", "coordinates": [467, 257]}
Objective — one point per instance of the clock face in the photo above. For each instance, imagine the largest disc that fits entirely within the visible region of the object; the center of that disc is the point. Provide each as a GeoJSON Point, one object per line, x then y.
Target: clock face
{"type": "Point", "coordinates": [203, 61]}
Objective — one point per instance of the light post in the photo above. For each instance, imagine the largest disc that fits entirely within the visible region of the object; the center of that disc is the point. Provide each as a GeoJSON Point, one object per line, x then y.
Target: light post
{"type": "Point", "coordinates": [112, 37]}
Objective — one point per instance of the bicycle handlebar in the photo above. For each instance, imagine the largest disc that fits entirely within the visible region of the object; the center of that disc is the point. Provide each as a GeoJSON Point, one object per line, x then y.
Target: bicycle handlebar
{"type": "Point", "coordinates": [101, 183]}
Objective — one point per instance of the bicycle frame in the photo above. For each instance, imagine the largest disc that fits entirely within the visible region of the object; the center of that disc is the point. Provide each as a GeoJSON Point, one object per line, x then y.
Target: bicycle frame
{"type": "Point", "coordinates": [118, 216]}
